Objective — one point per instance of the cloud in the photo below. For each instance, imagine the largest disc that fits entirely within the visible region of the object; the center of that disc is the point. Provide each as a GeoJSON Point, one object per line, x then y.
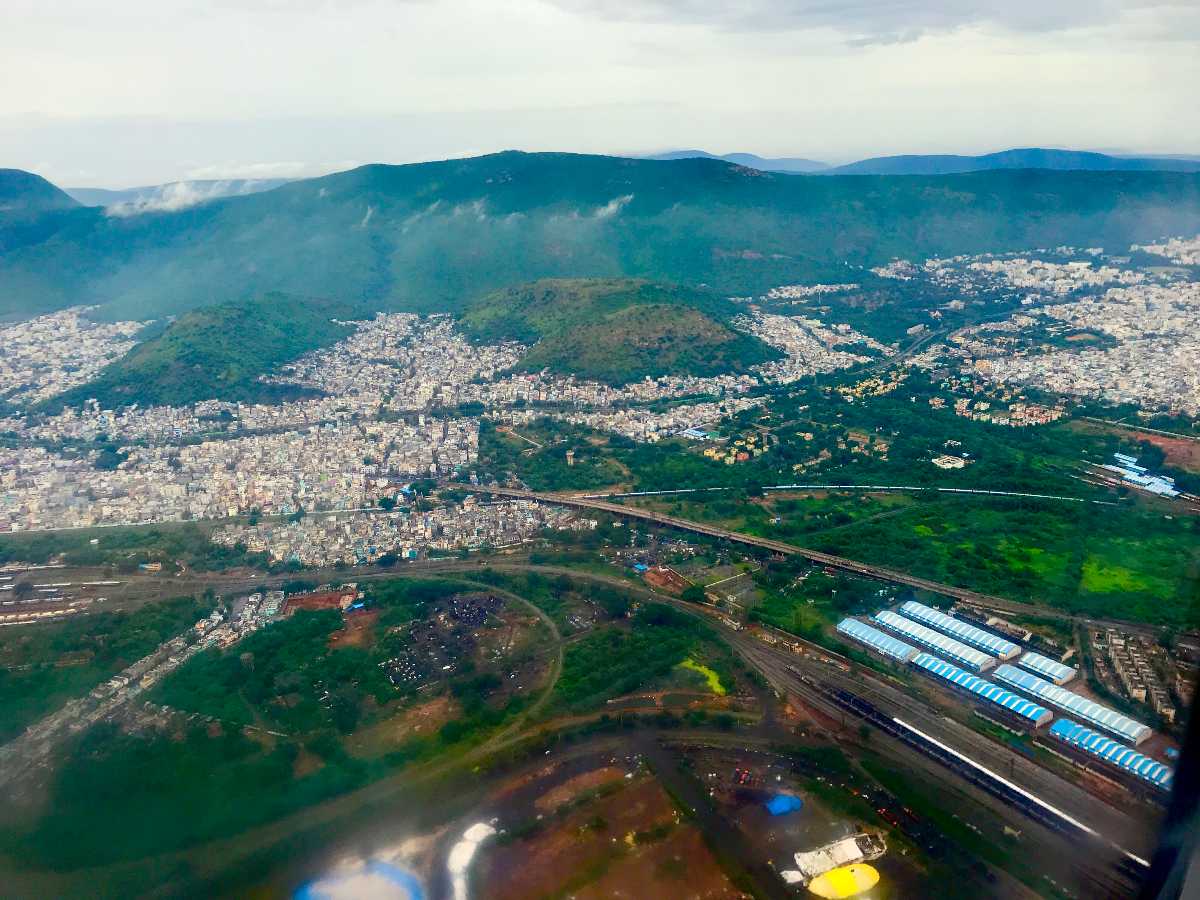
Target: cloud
{"type": "Point", "coordinates": [182, 194]}
{"type": "Point", "coordinates": [879, 21]}
{"type": "Point", "coordinates": [612, 207]}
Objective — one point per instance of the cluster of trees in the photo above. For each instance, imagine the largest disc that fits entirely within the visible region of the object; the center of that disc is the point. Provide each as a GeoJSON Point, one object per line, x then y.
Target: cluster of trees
{"type": "Point", "coordinates": [125, 548]}
{"type": "Point", "coordinates": [168, 793]}
{"type": "Point", "coordinates": [613, 660]}
{"type": "Point", "coordinates": [557, 595]}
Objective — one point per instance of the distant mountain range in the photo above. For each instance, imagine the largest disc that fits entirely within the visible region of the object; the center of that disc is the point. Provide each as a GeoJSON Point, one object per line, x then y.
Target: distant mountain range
{"type": "Point", "coordinates": [750, 160]}
{"type": "Point", "coordinates": [169, 197]}
{"type": "Point", "coordinates": [437, 236]}
{"type": "Point", "coordinates": [1033, 158]}
{"type": "Point", "coordinates": [944, 164]}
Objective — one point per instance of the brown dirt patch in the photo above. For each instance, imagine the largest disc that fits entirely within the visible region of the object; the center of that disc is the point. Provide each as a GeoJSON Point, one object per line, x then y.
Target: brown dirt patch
{"type": "Point", "coordinates": [306, 763]}
{"type": "Point", "coordinates": [358, 630]}
{"type": "Point", "coordinates": [1179, 451]}
{"type": "Point", "coordinates": [578, 849]}
{"type": "Point", "coordinates": [681, 866]}
{"type": "Point", "coordinates": [580, 784]}
{"type": "Point", "coordinates": [388, 734]}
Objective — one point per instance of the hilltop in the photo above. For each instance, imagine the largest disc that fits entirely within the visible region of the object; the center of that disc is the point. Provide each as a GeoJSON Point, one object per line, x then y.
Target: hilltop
{"type": "Point", "coordinates": [616, 330]}
{"type": "Point", "coordinates": [436, 236]}
{"type": "Point", "coordinates": [217, 352]}
{"type": "Point", "coordinates": [24, 196]}
{"type": "Point", "coordinates": [750, 160]}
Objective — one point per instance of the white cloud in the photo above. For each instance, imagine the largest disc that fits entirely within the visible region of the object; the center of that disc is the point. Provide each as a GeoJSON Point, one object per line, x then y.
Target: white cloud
{"type": "Point", "coordinates": [182, 194]}
{"type": "Point", "coordinates": [612, 207]}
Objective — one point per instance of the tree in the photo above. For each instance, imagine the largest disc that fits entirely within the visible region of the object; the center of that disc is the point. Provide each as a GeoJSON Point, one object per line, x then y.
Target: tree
{"type": "Point", "coordinates": [693, 593]}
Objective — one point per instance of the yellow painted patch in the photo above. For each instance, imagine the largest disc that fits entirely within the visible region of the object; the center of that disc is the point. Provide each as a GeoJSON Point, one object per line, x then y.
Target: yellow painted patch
{"type": "Point", "coordinates": [845, 881]}
{"type": "Point", "coordinates": [713, 679]}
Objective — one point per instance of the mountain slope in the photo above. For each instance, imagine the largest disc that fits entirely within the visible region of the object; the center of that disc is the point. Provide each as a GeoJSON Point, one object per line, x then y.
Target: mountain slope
{"type": "Point", "coordinates": [751, 160]}
{"type": "Point", "coordinates": [435, 236]}
{"type": "Point", "coordinates": [616, 330]}
{"type": "Point", "coordinates": [1032, 158]}
{"type": "Point", "coordinates": [215, 353]}
{"type": "Point", "coordinates": [23, 194]}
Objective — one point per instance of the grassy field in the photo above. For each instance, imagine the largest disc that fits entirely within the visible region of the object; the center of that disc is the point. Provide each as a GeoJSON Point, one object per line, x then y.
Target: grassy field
{"type": "Point", "coordinates": [1119, 562]}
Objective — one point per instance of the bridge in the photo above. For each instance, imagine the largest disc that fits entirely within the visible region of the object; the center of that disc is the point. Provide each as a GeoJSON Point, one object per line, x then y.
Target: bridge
{"type": "Point", "coordinates": [830, 560]}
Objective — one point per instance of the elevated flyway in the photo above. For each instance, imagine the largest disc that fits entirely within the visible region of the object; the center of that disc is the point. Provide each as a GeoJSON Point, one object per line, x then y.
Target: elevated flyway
{"type": "Point", "coordinates": [903, 488]}
{"type": "Point", "coordinates": [826, 559]}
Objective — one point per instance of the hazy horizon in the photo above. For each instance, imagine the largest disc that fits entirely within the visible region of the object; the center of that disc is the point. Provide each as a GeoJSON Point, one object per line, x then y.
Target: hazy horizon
{"type": "Point", "coordinates": [150, 93]}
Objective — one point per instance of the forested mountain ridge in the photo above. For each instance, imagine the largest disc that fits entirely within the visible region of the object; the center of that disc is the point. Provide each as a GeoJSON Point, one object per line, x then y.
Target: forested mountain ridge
{"type": "Point", "coordinates": [436, 236]}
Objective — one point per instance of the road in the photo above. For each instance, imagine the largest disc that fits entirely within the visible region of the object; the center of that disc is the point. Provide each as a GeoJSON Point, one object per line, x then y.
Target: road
{"type": "Point", "coordinates": [882, 573]}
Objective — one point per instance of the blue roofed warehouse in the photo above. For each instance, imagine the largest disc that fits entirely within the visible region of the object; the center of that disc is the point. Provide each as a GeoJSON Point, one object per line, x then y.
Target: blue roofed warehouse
{"type": "Point", "coordinates": [1081, 707]}
{"type": "Point", "coordinates": [1109, 751]}
{"type": "Point", "coordinates": [960, 630]}
{"type": "Point", "coordinates": [1026, 710]}
{"type": "Point", "coordinates": [936, 641]}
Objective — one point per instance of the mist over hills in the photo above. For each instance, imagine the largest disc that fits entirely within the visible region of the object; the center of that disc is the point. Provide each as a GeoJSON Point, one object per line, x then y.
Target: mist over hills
{"type": "Point", "coordinates": [171, 196]}
{"type": "Point", "coordinates": [437, 236]}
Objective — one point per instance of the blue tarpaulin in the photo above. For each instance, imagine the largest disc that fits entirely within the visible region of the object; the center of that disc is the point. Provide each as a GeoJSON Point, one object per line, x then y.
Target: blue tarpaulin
{"type": "Point", "coordinates": [782, 804]}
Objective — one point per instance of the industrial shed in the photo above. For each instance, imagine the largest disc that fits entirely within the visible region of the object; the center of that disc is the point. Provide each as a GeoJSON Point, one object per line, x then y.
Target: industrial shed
{"type": "Point", "coordinates": [1046, 667]}
{"type": "Point", "coordinates": [963, 631]}
{"type": "Point", "coordinates": [1026, 710]}
{"type": "Point", "coordinates": [1130, 761]}
{"type": "Point", "coordinates": [936, 641]}
{"type": "Point", "coordinates": [877, 640]}
{"type": "Point", "coordinates": [1091, 712]}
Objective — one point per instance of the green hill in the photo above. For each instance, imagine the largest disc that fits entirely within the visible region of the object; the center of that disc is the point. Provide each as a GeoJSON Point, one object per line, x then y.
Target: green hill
{"type": "Point", "coordinates": [616, 330]}
{"type": "Point", "coordinates": [436, 236]}
{"type": "Point", "coordinates": [23, 194]}
{"type": "Point", "coordinates": [217, 352]}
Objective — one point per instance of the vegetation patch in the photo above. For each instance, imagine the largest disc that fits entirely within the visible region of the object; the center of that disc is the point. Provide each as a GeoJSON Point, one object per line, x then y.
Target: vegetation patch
{"type": "Point", "coordinates": [217, 352]}
{"type": "Point", "coordinates": [617, 330]}
{"type": "Point", "coordinates": [711, 678]}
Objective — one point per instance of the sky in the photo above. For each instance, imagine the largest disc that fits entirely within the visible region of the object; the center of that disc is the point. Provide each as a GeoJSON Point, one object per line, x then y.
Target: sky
{"type": "Point", "coordinates": [102, 94]}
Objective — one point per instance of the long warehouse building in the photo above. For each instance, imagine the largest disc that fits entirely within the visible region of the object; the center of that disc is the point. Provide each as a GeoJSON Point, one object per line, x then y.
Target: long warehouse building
{"type": "Point", "coordinates": [1028, 711]}
{"type": "Point", "coordinates": [1090, 711]}
{"type": "Point", "coordinates": [936, 641]}
{"type": "Point", "coordinates": [963, 631]}
{"type": "Point", "coordinates": [1129, 761]}
{"type": "Point", "coordinates": [1046, 667]}
{"type": "Point", "coordinates": [891, 647]}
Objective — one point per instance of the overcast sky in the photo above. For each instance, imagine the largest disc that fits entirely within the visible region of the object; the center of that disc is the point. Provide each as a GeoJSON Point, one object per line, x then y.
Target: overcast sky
{"type": "Point", "coordinates": [114, 94]}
